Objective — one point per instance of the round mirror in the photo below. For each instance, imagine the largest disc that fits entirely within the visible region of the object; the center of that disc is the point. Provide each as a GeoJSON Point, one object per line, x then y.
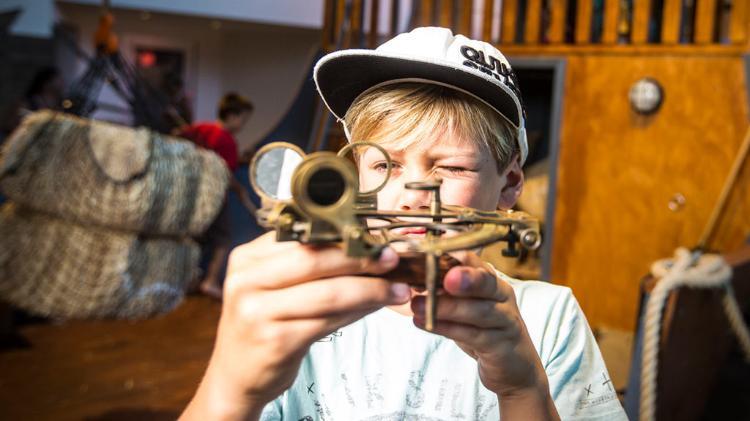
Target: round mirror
{"type": "Point", "coordinates": [373, 164]}
{"type": "Point", "coordinates": [272, 169]}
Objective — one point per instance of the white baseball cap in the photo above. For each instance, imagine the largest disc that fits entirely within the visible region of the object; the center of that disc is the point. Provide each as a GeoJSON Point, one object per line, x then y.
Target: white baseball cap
{"type": "Point", "coordinates": [428, 55]}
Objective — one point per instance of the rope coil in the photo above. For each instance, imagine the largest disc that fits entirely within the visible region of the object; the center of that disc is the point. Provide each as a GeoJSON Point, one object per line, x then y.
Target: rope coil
{"type": "Point", "coordinates": [692, 270]}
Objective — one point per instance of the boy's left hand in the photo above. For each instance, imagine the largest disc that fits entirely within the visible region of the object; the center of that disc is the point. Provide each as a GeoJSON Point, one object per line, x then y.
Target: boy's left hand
{"type": "Point", "coordinates": [480, 314]}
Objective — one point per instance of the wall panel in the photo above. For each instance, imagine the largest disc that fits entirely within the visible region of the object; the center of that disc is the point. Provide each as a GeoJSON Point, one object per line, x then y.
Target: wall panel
{"type": "Point", "coordinates": [618, 172]}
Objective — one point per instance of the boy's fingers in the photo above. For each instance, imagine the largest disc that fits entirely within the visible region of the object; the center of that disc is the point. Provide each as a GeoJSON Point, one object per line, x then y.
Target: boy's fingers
{"type": "Point", "coordinates": [324, 298]}
{"type": "Point", "coordinates": [465, 281]}
{"type": "Point", "coordinates": [476, 338]}
{"type": "Point", "coordinates": [481, 313]}
{"type": "Point", "coordinates": [304, 263]}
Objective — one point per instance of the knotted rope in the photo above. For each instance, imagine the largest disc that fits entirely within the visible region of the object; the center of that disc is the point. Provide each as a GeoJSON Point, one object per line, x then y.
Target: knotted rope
{"type": "Point", "coordinates": [692, 270]}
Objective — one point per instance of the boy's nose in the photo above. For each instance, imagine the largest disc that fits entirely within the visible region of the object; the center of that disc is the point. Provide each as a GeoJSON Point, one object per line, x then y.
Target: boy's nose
{"type": "Point", "coordinates": [414, 200]}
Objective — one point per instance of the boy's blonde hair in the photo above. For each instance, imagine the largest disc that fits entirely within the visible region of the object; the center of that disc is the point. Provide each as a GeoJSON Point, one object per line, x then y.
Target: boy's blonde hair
{"type": "Point", "coordinates": [402, 114]}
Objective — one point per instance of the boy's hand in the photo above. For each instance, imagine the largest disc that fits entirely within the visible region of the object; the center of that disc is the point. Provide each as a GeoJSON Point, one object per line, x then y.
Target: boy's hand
{"type": "Point", "coordinates": [480, 314]}
{"type": "Point", "coordinates": [279, 298]}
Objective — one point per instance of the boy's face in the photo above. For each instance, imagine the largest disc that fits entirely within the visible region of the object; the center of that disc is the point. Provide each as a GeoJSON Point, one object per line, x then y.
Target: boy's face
{"type": "Point", "coordinates": [468, 170]}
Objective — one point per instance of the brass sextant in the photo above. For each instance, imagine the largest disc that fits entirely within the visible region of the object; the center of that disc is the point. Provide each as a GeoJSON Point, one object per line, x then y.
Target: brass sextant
{"type": "Point", "coordinates": [316, 199]}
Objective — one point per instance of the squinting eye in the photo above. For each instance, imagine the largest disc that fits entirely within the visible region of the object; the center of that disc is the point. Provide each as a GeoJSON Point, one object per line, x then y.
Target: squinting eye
{"type": "Point", "coordinates": [454, 170]}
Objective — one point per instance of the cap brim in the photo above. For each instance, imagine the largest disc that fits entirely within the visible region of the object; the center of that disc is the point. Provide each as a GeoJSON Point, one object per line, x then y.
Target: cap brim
{"type": "Point", "coordinates": [344, 75]}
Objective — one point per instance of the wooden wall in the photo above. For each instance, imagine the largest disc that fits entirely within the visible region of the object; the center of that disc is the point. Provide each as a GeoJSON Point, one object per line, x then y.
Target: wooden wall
{"type": "Point", "coordinates": [618, 171]}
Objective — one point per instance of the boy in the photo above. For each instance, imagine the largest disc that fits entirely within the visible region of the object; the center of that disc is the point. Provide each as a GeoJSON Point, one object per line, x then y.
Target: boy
{"type": "Point", "coordinates": [233, 112]}
{"type": "Point", "coordinates": [294, 342]}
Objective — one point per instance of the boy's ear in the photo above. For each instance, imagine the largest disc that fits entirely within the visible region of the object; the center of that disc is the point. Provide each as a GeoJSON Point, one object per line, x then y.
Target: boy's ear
{"type": "Point", "coordinates": [513, 186]}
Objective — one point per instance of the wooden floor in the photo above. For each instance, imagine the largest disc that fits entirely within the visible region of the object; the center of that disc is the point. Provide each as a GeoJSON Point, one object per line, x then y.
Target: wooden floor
{"type": "Point", "coordinates": [109, 370]}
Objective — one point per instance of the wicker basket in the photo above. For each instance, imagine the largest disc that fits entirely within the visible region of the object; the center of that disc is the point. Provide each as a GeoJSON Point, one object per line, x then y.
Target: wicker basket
{"type": "Point", "coordinates": [64, 270]}
{"type": "Point", "coordinates": [112, 176]}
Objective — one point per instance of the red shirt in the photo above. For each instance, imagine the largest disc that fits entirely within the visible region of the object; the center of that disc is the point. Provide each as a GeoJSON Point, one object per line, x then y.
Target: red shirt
{"type": "Point", "coordinates": [214, 137]}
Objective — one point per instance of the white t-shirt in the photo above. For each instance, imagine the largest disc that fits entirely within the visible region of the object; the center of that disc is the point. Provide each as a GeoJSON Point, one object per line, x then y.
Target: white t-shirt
{"type": "Point", "coordinates": [382, 367]}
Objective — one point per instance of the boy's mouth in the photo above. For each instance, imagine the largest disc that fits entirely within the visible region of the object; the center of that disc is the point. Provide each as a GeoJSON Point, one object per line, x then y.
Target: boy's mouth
{"type": "Point", "coordinates": [411, 231]}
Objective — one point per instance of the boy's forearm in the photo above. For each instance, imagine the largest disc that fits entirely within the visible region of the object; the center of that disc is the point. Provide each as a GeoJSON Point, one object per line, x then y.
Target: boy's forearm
{"type": "Point", "coordinates": [532, 404]}
{"type": "Point", "coordinates": [211, 402]}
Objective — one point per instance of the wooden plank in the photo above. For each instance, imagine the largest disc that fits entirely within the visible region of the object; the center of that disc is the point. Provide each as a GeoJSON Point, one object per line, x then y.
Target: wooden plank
{"type": "Point", "coordinates": [372, 36]}
{"type": "Point", "coordinates": [487, 12]}
{"type": "Point", "coordinates": [641, 18]}
{"type": "Point", "coordinates": [464, 25]}
{"type": "Point", "coordinates": [446, 13]}
{"type": "Point", "coordinates": [533, 21]}
{"type": "Point", "coordinates": [508, 21]}
{"type": "Point", "coordinates": [556, 29]}
{"type": "Point", "coordinates": [427, 12]}
{"type": "Point", "coordinates": [670, 29]}
{"type": "Point", "coordinates": [395, 13]}
{"type": "Point", "coordinates": [611, 13]}
{"type": "Point", "coordinates": [705, 21]}
{"type": "Point", "coordinates": [739, 22]}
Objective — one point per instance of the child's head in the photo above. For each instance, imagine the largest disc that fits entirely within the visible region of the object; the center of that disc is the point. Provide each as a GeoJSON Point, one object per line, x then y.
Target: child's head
{"type": "Point", "coordinates": [234, 110]}
{"type": "Point", "coordinates": [442, 106]}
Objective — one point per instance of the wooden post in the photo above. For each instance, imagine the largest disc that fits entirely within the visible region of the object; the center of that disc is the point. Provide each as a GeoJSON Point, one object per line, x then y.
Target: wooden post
{"type": "Point", "coordinates": [508, 22]}
{"type": "Point", "coordinates": [372, 36]}
{"type": "Point", "coordinates": [428, 11]}
{"type": "Point", "coordinates": [641, 15]}
{"type": "Point", "coordinates": [394, 18]}
{"type": "Point", "coordinates": [739, 24]}
{"type": "Point", "coordinates": [611, 10]}
{"type": "Point", "coordinates": [464, 25]}
{"type": "Point", "coordinates": [670, 29]}
{"type": "Point", "coordinates": [556, 30]}
{"type": "Point", "coordinates": [446, 14]}
{"type": "Point", "coordinates": [340, 12]}
{"type": "Point", "coordinates": [489, 8]}
{"type": "Point", "coordinates": [705, 21]}
{"type": "Point", "coordinates": [583, 22]}
{"type": "Point", "coordinates": [533, 21]}
{"type": "Point", "coordinates": [328, 28]}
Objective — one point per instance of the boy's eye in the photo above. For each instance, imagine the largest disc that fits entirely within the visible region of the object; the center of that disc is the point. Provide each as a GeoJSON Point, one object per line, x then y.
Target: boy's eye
{"type": "Point", "coordinates": [382, 167]}
{"type": "Point", "coordinates": [453, 170]}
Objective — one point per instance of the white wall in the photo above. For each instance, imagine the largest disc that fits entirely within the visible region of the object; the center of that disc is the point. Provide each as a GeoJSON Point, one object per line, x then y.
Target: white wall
{"type": "Point", "coordinates": [36, 18]}
{"type": "Point", "coordinates": [266, 63]}
{"type": "Point", "coordinates": [302, 13]}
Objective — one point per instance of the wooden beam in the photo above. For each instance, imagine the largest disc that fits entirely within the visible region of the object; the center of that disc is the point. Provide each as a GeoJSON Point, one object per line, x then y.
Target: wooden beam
{"type": "Point", "coordinates": [372, 36]}
{"type": "Point", "coordinates": [464, 25]}
{"type": "Point", "coordinates": [611, 13]}
{"type": "Point", "coordinates": [641, 18]}
{"type": "Point", "coordinates": [446, 14]}
{"type": "Point", "coordinates": [489, 8]}
{"type": "Point", "coordinates": [705, 21]}
{"type": "Point", "coordinates": [583, 22]}
{"type": "Point", "coordinates": [533, 21]}
{"type": "Point", "coordinates": [556, 30]}
{"type": "Point", "coordinates": [427, 12]}
{"type": "Point", "coordinates": [508, 21]}
{"type": "Point", "coordinates": [739, 22]}
{"type": "Point", "coordinates": [670, 28]}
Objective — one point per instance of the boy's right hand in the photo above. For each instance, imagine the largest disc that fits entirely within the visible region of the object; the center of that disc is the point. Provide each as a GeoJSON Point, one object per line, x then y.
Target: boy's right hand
{"type": "Point", "coordinates": [279, 298]}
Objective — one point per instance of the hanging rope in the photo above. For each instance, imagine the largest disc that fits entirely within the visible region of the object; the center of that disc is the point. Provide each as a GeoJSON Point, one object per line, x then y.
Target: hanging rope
{"type": "Point", "coordinates": [692, 270]}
